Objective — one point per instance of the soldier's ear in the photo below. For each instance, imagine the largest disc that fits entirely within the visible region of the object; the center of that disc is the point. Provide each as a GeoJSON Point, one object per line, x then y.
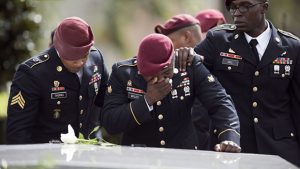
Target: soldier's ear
{"type": "Point", "coordinates": [265, 7]}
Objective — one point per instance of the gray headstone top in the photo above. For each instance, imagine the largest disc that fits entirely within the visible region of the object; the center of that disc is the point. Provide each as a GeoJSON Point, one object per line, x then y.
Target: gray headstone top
{"type": "Point", "coordinates": [120, 157]}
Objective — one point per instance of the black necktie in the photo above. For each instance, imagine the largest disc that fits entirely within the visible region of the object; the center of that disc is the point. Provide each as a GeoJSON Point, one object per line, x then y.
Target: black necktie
{"type": "Point", "coordinates": [253, 44]}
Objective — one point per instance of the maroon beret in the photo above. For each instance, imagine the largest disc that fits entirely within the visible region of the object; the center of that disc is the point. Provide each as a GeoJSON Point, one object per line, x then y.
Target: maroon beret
{"type": "Point", "coordinates": [155, 52]}
{"type": "Point", "coordinates": [209, 18]}
{"type": "Point", "coordinates": [73, 38]}
{"type": "Point", "coordinates": [175, 23]}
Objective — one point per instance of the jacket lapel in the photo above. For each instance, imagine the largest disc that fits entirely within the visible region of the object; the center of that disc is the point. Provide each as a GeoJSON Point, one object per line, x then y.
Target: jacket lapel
{"type": "Point", "coordinates": [274, 49]}
{"type": "Point", "coordinates": [86, 76]}
{"type": "Point", "coordinates": [241, 47]}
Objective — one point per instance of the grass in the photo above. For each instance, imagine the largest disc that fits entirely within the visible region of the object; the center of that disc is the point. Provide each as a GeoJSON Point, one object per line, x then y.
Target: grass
{"type": "Point", "coordinates": [3, 104]}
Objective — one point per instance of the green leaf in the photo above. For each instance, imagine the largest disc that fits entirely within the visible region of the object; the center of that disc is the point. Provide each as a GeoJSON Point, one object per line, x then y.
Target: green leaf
{"type": "Point", "coordinates": [93, 131]}
{"type": "Point", "coordinates": [81, 136]}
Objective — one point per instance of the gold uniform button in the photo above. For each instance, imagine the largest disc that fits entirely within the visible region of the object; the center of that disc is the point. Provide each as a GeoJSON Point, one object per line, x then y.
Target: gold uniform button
{"type": "Point", "coordinates": [254, 104]}
{"type": "Point", "coordinates": [256, 73]}
{"type": "Point", "coordinates": [181, 97]}
{"type": "Point", "coordinates": [81, 112]}
{"type": "Point", "coordinates": [80, 125]}
{"type": "Point", "coordinates": [80, 97]}
{"type": "Point", "coordinates": [283, 75]}
{"type": "Point", "coordinates": [45, 56]}
{"type": "Point", "coordinates": [158, 103]}
{"type": "Point", "coordinates": [215, 131]}
{"type": "Point", "coordinates": [255, 120]}
{"type": "Point", "coordinates": [175, 70]}
{"type": "Point", "coordinates": [161, 129]}
{"type": "Point", "coordinates": [229, 67]}
{"type": "Point", "coordinates": [162, 142]}
{"type": "Point", "coordinates": [160, 117]}
{"type": "Point", "coordinates": [59, 68]}
{"type": "Point", "coordinates": [255, 89]}
{"type": "Point", "coordinates": [58, 102]}
{"type": "Point", "coordinates": [292, 135]}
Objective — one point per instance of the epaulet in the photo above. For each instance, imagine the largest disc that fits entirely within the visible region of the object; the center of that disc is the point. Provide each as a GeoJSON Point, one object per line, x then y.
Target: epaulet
{"type": "Point", "coordinates": [230, 27]}
{"type": "Point", "coordinates": [37, 60]}
{"type": "Point", "coordinates": [288, 34]}
{"type": "Point", "coordinates": [129, 62]}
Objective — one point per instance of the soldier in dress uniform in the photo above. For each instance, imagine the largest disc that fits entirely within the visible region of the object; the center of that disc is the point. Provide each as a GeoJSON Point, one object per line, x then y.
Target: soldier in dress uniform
{"type": "Point", "coordinates": [63, 85]}
{"type": "Point", "coordinates": [150, 100]}
{"type": "Point", "coordinates": [184, 31]}
{"type": "Point", "coordinates": [259, 67]}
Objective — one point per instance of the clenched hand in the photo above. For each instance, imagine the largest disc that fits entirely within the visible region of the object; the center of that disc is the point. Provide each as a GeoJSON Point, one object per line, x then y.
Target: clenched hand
{"type": "Point", "coordinates": [157, 90]}
{"type": "Point", "coordinates": [228, 146]}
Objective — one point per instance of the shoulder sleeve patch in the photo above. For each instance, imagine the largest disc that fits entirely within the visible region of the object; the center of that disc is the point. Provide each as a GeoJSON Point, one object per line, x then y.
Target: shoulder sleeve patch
{"type": "Point", "coordinates": [288, 34]}
{"type": "Point", "coordinates": [36, 60]}
{"type": "Point", "coordinates": [230, 27]}
{"type": "Point", "coordinates": [130, 62]}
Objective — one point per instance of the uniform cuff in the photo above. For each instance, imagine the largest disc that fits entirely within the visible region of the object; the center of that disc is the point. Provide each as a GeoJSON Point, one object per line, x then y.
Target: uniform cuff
{"type": "Point", "coordinates": [229, 135]}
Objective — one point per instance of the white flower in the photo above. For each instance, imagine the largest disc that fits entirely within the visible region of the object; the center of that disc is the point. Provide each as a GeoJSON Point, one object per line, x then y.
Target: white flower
{"type": "Point", "coordinates": [70, 137]}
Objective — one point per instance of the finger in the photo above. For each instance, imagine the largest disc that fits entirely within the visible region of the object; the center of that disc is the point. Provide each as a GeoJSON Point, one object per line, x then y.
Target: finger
{"type": "Point", "coordinates": [165, 84]}
{"type": "Point", "coordinates": [153, 80]}
{"type": "Point", "coordinates": [176, 59]}
{"type": "Point", "coordinates": [237, 148]}
{"type": "Point", "coordinates": [223, 145]}
{"type": "Point", "coordinates": [217, 147]}
{"type": "Point", "coordinates": [167, 89]}
{"type": "Point", "coordinates": [228, 148]}
{"type": "Point", "coordinates": [191, 56]}
{"type": "Point", "coordinates": [162, 82]}
{"type": "Point", "coordinates": [179, 58]}
{"type": "Point", "coordinates": [184, 59]}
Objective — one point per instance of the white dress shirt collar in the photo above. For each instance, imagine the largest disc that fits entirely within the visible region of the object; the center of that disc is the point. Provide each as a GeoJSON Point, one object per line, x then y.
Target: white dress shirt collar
{"type": "Point", "coordinates": [263, 40]}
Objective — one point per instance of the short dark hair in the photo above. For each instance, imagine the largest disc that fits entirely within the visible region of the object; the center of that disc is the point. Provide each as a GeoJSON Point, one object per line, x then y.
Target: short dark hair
{"type": "Point", "coordinates": [52, 37]}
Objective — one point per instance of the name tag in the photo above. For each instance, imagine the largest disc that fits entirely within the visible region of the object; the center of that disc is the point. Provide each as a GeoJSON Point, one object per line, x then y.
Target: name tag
{"type": "Point", "coordinates": [59, 95]}
{"type": "Point", "coordinates": [231, 62]}
{"type": "Point", "coordinates": [134, 95]}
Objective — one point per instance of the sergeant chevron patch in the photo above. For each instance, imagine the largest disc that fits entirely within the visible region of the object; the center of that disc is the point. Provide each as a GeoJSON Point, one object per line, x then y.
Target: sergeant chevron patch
{"type": "Point", "coordinates": [18, 99]}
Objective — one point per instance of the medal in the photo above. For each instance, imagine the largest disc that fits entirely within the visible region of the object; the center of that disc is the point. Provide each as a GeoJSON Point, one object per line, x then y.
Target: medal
{"type": "Point", "coordinates": [287, 69]}
{"type": "Point", "coordinates": [276, 69]}
{"type": "Point", "coordinates": [174, 94]}
{"type": "Point", "coordinates": [186, 90]}
{"type": "Point", "coordinates": [96, 88]}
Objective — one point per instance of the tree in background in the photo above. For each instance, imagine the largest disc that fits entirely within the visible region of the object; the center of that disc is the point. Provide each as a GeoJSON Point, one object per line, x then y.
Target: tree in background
{"type": "Point", "coordinates": [19, 31]}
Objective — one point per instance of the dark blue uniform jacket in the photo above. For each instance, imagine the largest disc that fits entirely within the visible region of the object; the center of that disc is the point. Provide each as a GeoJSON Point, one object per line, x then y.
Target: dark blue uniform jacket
{"type": "Point", "coordinates": [169, 124]}
{"type": "Point", "coordinates": [266, 94]}
{"type": "Point", "coordinates": [45, 97]}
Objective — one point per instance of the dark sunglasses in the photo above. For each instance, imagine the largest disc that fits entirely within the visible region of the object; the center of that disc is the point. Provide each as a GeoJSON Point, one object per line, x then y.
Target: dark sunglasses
{"type": "Point", "coordinates": [242, 9]}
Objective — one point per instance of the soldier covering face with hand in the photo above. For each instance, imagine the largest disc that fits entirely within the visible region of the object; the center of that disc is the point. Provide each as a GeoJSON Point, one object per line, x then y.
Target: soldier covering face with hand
{"type": "Point", "coordinates": [150, 100]}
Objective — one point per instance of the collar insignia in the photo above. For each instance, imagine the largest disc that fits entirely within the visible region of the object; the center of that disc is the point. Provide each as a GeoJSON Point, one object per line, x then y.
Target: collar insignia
{"type": "Point", "coordinates": [210, 78]}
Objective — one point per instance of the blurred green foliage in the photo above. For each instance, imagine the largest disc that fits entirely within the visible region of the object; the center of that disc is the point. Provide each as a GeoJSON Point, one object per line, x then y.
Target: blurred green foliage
{"type": "Point", "coordinates": [19, 30]}
{"type": "Point", "coordinates": [3, 105]}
